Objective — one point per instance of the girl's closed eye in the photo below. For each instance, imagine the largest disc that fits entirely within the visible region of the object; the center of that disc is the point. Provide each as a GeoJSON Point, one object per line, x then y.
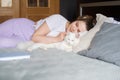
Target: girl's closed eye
{"type": "Point", "coordinates": [76, 24]}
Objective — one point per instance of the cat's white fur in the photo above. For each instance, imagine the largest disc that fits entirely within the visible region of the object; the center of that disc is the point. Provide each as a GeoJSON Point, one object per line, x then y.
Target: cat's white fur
{"type": "Point", "coordinates": [67, 44]}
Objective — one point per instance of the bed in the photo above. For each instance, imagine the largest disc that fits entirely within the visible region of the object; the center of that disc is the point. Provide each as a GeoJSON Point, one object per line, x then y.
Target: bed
{"type": "Point", "coordinates": [54, 64]}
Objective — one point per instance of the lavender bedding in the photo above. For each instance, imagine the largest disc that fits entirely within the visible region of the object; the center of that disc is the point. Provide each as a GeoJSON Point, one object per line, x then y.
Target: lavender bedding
{"type": "Point", "coordinates": [15, 30]}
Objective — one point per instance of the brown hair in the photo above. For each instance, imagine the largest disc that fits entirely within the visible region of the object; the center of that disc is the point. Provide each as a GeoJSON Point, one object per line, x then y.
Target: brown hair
{"type": "Point", "coordinates": [89, 20]}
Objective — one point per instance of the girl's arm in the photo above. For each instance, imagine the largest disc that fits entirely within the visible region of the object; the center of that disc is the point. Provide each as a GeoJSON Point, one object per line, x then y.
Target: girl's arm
{"type": "Point", "coordinates": [40, 35]}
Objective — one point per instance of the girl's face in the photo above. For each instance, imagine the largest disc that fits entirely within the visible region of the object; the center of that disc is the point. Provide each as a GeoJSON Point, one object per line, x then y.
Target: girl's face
{"type": "Point", "coordinates": [77, 26]}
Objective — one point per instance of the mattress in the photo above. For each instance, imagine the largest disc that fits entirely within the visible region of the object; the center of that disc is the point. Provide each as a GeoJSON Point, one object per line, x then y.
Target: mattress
{"type": "Point", "coordinates": [53, 64]}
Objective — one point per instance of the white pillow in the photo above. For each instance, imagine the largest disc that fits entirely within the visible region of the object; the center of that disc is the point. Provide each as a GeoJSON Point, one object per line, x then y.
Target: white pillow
{"type": "Point", "coordinates": [112, 21]}
{"type": "Point", "coordinates": [87, 38]}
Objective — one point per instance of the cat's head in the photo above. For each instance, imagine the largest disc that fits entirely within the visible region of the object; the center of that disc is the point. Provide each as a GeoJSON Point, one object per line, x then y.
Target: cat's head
{"type": "Point", "coordinates": [72, 39]}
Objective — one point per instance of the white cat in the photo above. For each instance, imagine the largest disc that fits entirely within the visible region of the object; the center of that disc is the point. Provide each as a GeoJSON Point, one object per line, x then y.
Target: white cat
{"type": "Point", "coordinates": [67, 44]}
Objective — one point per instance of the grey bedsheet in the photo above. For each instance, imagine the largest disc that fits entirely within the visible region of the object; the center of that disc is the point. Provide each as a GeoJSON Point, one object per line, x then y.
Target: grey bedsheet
{"type": "Point", "coordinates": [57, 65]}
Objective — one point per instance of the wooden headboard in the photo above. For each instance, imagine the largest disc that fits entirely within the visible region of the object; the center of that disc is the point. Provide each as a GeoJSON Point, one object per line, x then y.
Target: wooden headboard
{"type": "Point", "coordinates": [108, 8]}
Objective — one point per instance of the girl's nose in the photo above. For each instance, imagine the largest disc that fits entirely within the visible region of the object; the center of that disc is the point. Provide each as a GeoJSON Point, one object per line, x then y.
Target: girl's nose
{"type": "Point", "coordinates": [75, 29]}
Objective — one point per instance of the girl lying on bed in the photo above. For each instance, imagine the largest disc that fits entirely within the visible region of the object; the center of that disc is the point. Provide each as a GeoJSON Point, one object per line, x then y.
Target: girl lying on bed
{"type": "Point", "coordinates": [51, 29]}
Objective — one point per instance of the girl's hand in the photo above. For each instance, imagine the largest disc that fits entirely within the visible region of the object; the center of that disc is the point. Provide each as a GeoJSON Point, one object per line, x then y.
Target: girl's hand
{"type": "Point", "coordinates": [61, 36]}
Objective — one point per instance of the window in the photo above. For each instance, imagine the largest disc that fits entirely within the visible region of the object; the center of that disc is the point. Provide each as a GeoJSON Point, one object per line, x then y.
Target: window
{"type": "Point", "coordinates": [38, 3]}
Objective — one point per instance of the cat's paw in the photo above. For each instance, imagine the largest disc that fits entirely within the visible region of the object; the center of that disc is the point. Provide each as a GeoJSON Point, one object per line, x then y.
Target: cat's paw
{"type": "Point", "coordinates": [21, 46]}
{"type": "Point", "coordinates": [29, 49]}
{"type": "Point", "coordinates": [70, 50]}
{"type": "Point", "coordinates": [45, 48]}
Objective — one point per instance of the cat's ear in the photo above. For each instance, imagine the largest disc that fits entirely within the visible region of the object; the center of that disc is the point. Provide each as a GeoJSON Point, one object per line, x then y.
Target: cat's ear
{"type": "Point", "coordinates": [83, 33]}
{"type": "Point", "coordinates": [77, 35]}
{"type": "Point", "coordinates": [68, 32]}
